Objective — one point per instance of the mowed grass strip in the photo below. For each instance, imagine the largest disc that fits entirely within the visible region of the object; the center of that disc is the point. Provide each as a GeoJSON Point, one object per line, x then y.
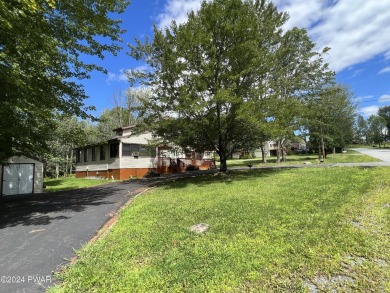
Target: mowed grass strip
{"type": "Point", "coordinates": [350, 156]}
{"type": "Point", "coordinates": [270, 231]}
{"type": "Point", "coordinates": [69, 183]}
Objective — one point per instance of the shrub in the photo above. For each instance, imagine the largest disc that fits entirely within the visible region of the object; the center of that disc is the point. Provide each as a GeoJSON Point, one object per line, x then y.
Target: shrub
{"type": "Point", "coordinates": [152, 174]}
{"type": "Point", "coordinates": [192, 168]}
{"type": "Point", "coordinates": [248, 156]}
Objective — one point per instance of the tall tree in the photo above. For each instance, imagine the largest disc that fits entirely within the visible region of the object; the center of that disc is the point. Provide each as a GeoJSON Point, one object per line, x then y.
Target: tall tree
{"type": "Point", "coordinates": [134, 99]}
{"type": "Point", "coordinates": [384, 112]}
{"type": "Point", "coordinates": [299, 73]}
{"type": "Point", "coordinates": [330, 119]}
{"type": "Point", "coordinates": [41, 48]}
{"type": "Point", "coordinates": [360, 129]}
{"type": "Point", "coordinates": [205, 70]}
{"type": "Point", "coordinates": [377, 130]}
{"type": "Point", "coordinates": [67, 134]}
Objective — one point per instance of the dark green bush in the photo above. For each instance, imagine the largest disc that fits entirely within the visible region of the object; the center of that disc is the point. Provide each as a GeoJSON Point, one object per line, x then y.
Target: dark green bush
{"type": "Point", "coordinates": [192, 168]}
{"type": "Point", "coordinates": [152, 174]}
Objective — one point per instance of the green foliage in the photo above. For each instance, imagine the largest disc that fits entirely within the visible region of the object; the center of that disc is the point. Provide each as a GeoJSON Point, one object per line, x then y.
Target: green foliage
{"type": "Point", "coordinates": [41, 45]}
{"type": "Point", "coordinates": [152, 174]}
{"type": "Point", "coordinates": [300, 74]}
{"type": "Point", "coordinates": [330, 118]}
{"type": "Point", "coordinates": [360, 130]}
{"type": "Point", "coordinates": [203, 71]}
{"type": "Point", "coordinates": [221, 78]}
{"type": "Point", "coordinates": [377, 131]}
{"type": "Point", "coordinates": [384, 113]}
{"type": "Point", "coordinates": [270, 231]}
{"type": "Point", "coordinates": [67, 134]}
{"type": "Point", "coordinates": [192, 168]}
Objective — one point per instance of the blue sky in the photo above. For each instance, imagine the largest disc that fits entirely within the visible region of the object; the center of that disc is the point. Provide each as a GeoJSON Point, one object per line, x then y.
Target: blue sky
{"type": "Point", "coordinates": [357, 31]}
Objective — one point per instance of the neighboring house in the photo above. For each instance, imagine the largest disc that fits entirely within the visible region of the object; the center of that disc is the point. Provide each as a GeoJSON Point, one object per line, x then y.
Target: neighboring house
{"type": "Point", "coordinates": [128, 155]}
{"type": "Point", "coordinates": [298, 146]}
{"type": "Point", "coordinates": [20, 176]}
{"type": "Point", "coordinates": [270, 149]}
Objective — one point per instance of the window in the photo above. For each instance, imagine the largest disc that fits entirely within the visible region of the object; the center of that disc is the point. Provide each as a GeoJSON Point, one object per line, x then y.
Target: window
{"type": "Point", "coordinates": [93, 153]}
{"type": "Point", "coordinates": [85, 155]}
{"type": "Point", "coordinates": [102, 153]}
{"type": "Point", "coordinates": [129, 149]}
{"type": "Point", "coordinates": [114, 150]}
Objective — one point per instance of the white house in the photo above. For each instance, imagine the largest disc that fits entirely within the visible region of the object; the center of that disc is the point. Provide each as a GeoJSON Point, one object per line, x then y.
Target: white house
{"type": "Point", "coordinates": [129, 154]}
{"type": "Point", "coordinates": [21, 175]}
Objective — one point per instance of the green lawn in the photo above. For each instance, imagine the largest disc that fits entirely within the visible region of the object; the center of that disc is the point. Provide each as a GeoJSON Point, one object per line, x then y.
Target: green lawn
{"type": "Point", "coordinates": [349, 157]}
{"type": "Point", "coordinates": [270, 231]}
{"type": "Point", "coordinates": [68, 183]}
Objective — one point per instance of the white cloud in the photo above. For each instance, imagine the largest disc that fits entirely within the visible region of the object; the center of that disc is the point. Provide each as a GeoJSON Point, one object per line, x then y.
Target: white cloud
{"type": "Point", "coordinates": [368, 111]}
{"type": "Point", "coordinates": [143, 68]}
{"type": "Point", "coordinates": [384, 70]}
{"type": "Point", "coordinates": [116, 77]}
{"type": "Point", "coordinates": [302, 13]}
{"type": "Point", "coordinates": [176, 10]}
{"type": "Point", "coordinates": [355, 30]}
{"type": "Point", "coordinates": [384, 99]}
{"type": "Point", "coordinates": [362, 98]}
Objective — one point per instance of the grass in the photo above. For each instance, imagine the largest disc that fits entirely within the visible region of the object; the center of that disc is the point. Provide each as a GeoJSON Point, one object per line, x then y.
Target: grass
{"type": "Point", "coordinates": [69, 183]}
{"type": "Point", "coordinates": [349, 157]}
{"type": "Point", "coordinates": [270, 231]}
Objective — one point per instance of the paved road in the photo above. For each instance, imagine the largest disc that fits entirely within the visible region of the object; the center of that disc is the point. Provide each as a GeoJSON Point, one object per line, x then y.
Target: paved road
{"type": "Point", "coordinates": [381, 154]}
{"type": "Point", "coordinates": [40, 234]}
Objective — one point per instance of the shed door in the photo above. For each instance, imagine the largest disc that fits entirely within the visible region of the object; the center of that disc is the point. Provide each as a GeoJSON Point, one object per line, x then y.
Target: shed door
{"type": "Point", "coordinates": [18, 179]}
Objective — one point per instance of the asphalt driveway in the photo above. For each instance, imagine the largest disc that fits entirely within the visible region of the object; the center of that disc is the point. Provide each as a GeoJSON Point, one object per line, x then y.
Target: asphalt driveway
{"type": "Point", "coordinates": [381, 154]}
{"type": "Point", "coordinates": [41, 233]}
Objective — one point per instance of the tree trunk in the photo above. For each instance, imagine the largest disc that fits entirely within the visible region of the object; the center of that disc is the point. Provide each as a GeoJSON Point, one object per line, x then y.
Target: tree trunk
{"type": "Point", "coordinates": [284, 154]}
{"type": "Point", "coordinates": [223, 164]}
{"type": "Point", "coordinates": [71, 162]}
{"type": "Point", "coordinates": [57, 170]}
{"type": "Point", "coordinates": [263, 155]}
{"type": "Point", "coordinates": [323, 146]}
{"type": "Point", "coordinates": [278, 152]}
{"type": "Point", "coordinates": [319, 153]}
{"type": "Point", "coordinates": [66, 165]}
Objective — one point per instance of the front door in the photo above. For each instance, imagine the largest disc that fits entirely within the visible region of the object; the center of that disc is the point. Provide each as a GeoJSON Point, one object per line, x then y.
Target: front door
{"type": "Point", "coordinates": [18, 179]}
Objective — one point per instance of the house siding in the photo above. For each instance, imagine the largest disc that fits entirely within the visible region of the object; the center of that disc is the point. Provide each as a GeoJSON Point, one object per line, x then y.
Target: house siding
{"type": "Point", "coordinates": [138, 139]}
{"type": "Point", "coordinates": [134, 163]}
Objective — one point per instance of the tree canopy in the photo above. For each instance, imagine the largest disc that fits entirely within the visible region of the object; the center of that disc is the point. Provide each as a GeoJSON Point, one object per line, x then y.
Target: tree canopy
{"type": "Point", "coordinates": [41, 47]}
{"type": "Point", "coordinates": [330, 118]}
{"type": "Point", "coordinates": [217, 78]}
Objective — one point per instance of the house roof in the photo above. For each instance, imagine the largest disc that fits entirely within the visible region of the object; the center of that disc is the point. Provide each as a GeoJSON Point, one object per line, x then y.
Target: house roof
{"type": "Point", "coordinates": [124, 128]}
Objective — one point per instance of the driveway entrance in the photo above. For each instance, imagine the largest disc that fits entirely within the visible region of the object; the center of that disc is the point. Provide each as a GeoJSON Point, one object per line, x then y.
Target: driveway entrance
{"type": "Point", "coordinates": [381, 154]}
{"type": "Point", "coordinates": [40, 234]}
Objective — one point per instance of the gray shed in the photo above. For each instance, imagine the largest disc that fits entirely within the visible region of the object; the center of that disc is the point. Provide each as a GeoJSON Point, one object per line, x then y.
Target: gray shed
{"type": "Point", "coordinates": [21, 175]}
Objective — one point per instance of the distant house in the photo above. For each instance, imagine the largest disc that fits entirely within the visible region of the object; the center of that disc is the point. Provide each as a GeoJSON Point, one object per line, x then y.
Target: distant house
{"type": "Point", "coordinates": [21, 176]}
{"type": "Point", "coordinates": [270, 149]}
{"type": "Point", "coordinates": [129, 154]}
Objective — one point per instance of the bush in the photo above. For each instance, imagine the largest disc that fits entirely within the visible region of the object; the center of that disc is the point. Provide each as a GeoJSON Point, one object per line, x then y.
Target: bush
{"type": "Point", "coordinates": [192, 168]}
{"type": "Point", "coordinates": [152, 174]}
{"type": "Point", "coordinates": [248, 156]}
